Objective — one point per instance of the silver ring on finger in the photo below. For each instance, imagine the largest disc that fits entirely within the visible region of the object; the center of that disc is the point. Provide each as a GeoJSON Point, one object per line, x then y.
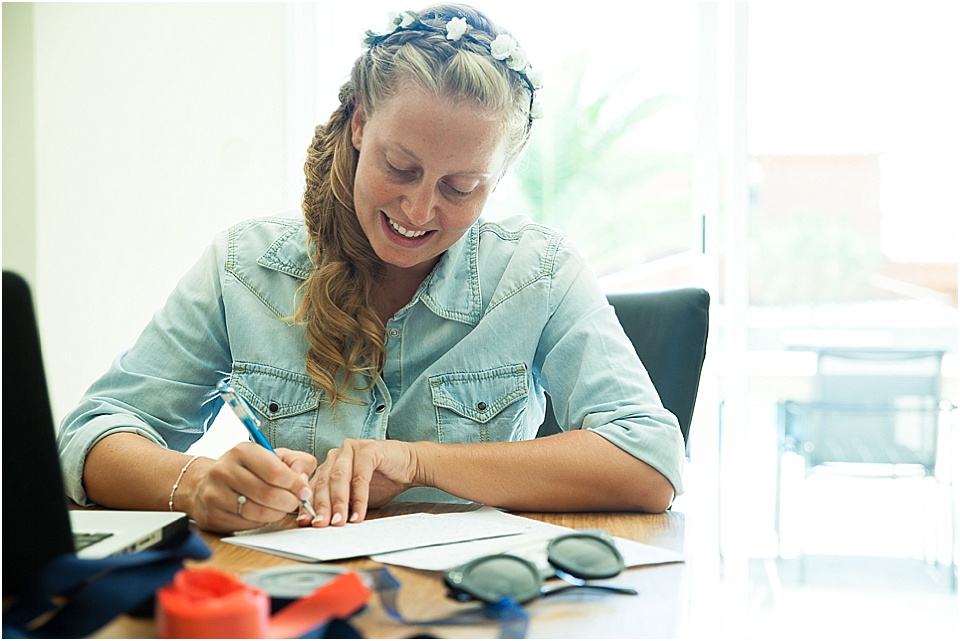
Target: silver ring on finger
{"type": "Point", "coordinates": [241, 500]}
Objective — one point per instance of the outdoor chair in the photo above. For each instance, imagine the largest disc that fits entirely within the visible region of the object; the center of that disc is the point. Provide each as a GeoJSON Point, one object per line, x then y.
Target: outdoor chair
{"type": "Point", "coordinates": [875, 413]}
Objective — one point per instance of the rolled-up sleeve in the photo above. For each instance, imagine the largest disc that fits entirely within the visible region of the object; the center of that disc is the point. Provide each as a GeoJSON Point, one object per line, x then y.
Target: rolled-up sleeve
{"type": "Point", "coordinates": [162, 388]}
{"type": "Point", "coordinates": [595, 378]}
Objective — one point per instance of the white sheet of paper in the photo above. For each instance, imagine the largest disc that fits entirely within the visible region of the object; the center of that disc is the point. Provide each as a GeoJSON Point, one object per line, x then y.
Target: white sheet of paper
{"type": "Point", "coordinates": [531, 545]}
{"type": "Point", "coordinates": [374, 537]}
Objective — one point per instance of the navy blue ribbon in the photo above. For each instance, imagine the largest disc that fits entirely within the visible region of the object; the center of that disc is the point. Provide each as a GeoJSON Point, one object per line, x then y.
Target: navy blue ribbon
{"type": "Point", "coordinates": [83, 595]}
{"type": "Point", "coordinates": [511, 616]}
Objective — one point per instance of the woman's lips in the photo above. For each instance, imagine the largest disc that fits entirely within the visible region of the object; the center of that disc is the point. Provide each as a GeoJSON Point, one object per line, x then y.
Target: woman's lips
{"type": "Point", "coordinates": [403, 236]}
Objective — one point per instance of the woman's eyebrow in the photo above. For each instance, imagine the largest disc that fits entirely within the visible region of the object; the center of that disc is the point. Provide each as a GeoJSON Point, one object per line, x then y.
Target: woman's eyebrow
{"type": "Point", "coordinates": [478, 173]}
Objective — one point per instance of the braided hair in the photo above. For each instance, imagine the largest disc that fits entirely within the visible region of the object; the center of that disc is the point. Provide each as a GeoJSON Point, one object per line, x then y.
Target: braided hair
{"type": "Point", "coordinates": [345, 335]}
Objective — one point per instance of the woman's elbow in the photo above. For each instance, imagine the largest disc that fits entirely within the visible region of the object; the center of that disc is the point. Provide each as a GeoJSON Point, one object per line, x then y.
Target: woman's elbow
{"type": "Point", "coordinates": [653, 492]}
{"type": "Point", "coordinates": [659, 501]}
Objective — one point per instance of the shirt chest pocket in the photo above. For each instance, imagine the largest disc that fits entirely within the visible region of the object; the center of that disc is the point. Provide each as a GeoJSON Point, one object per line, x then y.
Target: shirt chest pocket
{"type": "Point", "coordinates": [480, 406]}
{"type": "Point", "coordinates": [285, 402]}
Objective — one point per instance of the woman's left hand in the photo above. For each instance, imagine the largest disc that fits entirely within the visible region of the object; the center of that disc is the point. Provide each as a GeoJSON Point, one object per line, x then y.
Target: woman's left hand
{"type": "Point", "coordinates": [358, 475]}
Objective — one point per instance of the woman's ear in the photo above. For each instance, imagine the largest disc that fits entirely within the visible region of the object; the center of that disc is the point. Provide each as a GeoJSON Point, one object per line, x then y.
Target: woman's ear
{"type": "Point", "coordinates": [357, 121]}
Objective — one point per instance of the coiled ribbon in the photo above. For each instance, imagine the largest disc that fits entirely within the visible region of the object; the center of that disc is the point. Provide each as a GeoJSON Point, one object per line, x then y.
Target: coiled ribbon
{"type": "Point", "coordinates": [208, 603]}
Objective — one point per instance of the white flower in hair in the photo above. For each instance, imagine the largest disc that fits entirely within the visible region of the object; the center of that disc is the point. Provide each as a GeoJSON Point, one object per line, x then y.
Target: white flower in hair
{"type": "Point", "coordinates": [400, 20]}
{"type": "Point", "coordinates": [518, 60]}
{"type": "Point", "coordinates": [456, 28]}
{"type": "Point", "coordinates": [535, 78]}
{"type": "Point", "coordinates": [502, 46]}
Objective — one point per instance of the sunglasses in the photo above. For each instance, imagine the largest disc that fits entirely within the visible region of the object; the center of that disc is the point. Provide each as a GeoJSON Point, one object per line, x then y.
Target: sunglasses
{"type": "Point", "coordinates": [577, 557]}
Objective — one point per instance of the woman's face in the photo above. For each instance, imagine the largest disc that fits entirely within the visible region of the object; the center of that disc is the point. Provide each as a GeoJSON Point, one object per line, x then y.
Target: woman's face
{"type": "Point", "coordinates": [426, 168]}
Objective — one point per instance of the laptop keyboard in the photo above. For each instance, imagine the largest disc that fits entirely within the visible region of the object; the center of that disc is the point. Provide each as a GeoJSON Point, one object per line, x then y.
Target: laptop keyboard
{"type": "Point", "coordinates": [86, 539]}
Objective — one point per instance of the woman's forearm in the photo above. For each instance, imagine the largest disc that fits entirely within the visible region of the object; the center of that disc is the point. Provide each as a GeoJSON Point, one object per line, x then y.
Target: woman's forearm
{"type": "Point", "coordinates": [573, 471]}
{"type": "Point", "coordinates": [126, 471]}
{"type": "Point", "coordinates": [246, 487]}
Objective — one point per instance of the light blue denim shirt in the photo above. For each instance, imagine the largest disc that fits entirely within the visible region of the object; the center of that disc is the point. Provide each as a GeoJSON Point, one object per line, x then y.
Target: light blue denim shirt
{"type": "Point", "coordinates": [510, 311]}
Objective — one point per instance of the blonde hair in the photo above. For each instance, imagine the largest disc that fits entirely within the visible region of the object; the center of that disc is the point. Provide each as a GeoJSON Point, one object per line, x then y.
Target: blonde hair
{"type": "Point", "coordinates": [344, 334]}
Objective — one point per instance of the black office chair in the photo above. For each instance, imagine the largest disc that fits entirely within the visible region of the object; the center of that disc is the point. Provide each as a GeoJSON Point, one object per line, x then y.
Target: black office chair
{"type": "Point", "coordinates": [874, 412]}
{"type": "Point", "coordinates": [668, 330]}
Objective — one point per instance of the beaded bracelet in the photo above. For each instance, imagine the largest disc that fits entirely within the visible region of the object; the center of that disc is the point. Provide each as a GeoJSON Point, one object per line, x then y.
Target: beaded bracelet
{"type": "Point", "coordinates": [183, 470]}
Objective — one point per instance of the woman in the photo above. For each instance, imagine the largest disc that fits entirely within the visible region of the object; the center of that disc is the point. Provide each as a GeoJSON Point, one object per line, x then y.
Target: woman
{"type": "Point", "coordinates": [393, 335]}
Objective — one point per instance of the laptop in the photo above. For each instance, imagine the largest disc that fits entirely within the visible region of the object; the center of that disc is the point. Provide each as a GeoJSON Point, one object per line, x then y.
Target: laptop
{"type": "Point", "coordinates": [37, 522]}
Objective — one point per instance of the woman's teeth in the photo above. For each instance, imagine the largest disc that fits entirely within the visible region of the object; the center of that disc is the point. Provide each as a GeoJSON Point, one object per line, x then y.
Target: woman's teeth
{"type": "Point", "coordinates": [405, 232]}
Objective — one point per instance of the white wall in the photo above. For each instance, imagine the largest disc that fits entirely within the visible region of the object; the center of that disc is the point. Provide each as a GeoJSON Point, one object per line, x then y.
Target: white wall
{"type": "Point", "coordinates": [19, 225]}
{"type": "Point", "coordinates": [157, 125]}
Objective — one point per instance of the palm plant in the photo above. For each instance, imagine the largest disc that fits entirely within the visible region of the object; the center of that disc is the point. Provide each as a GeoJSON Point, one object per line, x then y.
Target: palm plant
{"type": "Point", "coordinates": [581, 173]}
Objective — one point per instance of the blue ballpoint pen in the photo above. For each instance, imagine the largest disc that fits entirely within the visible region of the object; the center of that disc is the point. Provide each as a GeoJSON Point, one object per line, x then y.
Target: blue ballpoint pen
{"type": "Point", "coordinates": [240, 408]}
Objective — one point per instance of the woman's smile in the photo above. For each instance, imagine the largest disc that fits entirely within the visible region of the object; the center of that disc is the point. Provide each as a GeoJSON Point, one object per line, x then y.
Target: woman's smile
{"type": "Point", "coordinates": [404, 236]}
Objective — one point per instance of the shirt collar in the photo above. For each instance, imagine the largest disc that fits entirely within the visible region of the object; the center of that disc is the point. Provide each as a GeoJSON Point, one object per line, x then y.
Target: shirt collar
{"type": "Point", "coordinates": [289, 253]}
{"type": "Point", "coordinates": [452, 290]}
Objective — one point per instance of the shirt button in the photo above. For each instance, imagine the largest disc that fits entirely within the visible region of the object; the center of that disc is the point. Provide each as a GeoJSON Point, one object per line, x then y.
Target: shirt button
{"type": "Point", "coordinates": [394, 332]}
{"type": "Point", "coordinates": [482, 406]}
{"type": "Point", "coordinates": [274, 408]}
{"type": "Point", "coordinates": [380, 408]}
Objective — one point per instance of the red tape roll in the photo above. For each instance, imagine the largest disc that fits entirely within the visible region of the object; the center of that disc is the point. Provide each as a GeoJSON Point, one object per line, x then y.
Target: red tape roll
{"type": "Point", "coordinates": [204, 603]}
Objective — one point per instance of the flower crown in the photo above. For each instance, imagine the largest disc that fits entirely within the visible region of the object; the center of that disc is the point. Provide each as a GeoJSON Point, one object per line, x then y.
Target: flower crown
{"type": "Point", "coordinates": [503, 48]}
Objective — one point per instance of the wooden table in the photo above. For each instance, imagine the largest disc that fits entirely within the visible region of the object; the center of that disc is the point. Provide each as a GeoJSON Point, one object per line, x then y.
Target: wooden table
{"type": "Point", "coordinates": [660, 611]}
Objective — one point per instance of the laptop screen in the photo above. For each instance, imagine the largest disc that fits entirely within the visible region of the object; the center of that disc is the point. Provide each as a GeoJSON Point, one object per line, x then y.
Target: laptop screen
{"type": "Point", "coordinates": [36, 525]}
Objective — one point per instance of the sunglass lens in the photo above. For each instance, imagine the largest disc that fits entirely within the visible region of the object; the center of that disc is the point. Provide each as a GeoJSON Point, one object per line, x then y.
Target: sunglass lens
{"type": "Point", "coordinates": [586, 556]}
{"type": "Point", "coordinates": [492, 578]}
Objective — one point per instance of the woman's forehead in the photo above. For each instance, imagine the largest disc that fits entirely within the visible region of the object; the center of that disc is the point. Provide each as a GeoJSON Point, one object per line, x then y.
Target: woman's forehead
{"type": "Point", "coordinates": [427, 127]}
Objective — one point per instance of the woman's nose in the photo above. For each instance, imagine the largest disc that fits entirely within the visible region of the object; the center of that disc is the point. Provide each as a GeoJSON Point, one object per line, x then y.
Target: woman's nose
{"type": "Point", "coordinates": [419, 205]}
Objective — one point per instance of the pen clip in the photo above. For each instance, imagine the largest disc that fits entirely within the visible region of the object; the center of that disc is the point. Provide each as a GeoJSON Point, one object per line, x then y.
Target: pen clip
{"type": "Point", "coordinates": [237, 404]}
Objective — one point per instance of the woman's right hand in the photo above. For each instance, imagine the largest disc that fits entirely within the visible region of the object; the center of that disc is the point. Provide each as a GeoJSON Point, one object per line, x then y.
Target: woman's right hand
{"type": "Point", "coordinates": [272, 486]}
{"type": "Point", "coordinates": [360, 474]}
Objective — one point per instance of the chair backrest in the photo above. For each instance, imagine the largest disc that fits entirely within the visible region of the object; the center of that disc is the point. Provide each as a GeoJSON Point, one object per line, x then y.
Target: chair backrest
{"type": "Point", "coordinates": [878, 376]}
{"type": "Point", "coordinates": [876, 406]}
{"type": "Point", "coordinates": [668, 330]}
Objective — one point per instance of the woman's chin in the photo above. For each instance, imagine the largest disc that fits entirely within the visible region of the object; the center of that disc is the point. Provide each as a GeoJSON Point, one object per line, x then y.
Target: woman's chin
{"type": "Point", "coordinates": [406, 259]}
